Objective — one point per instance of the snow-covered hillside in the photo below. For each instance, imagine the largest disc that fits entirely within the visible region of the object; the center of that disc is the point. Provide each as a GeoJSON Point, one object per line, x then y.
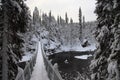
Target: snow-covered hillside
{"type": "Point", "coordinates": [65, 36]}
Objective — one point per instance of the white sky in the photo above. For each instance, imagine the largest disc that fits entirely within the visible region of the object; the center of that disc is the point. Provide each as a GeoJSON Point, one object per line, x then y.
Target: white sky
{"type": "Point", "coordinates": [59, 7]}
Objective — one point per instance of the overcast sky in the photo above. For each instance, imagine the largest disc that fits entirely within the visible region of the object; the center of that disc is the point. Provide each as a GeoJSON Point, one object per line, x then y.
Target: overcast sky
{"type": "Point", "coordinates": [59, 7]}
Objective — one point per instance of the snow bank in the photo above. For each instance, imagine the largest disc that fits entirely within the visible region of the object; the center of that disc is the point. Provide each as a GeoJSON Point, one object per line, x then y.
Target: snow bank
{"type": "Point", "coordinates": [78, 48]}
{"type": "Point", "coordinates": [31, 50]}
{"type": "Point", "coordinates": [26, 57]}
{"type": "Point", "coordinates": [82, 57]}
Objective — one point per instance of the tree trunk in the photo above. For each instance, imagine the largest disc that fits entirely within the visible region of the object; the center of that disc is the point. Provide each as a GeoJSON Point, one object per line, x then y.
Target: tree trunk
{"type": "Point", "coordinates": [4, 48]}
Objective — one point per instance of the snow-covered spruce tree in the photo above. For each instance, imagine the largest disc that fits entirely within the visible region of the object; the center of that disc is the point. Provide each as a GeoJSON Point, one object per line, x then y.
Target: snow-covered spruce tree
{"type": "Point", "coordinates": [40, 20]}
{"type": "Point", "coordinates": [80, 23]}
{"type": "Point", "coordinates": [13, 26]}
{"type": "Point", "coordinates": [106, 62]}
{"type": "Point", "coordinates": [36, 16]}
{"type": "Point", "coordinates": [62, 21]}
{"type": "Point", "coordinates": [66, 18]}
{"type": "Point", "coordinates": [71, 21]}
{"type": "Point", "coordinates": [83, 23]}
{"type": "Point", "coordinates": [50, 16]}
{"type": "Point", "coordinates": [36, 22]}
{"type": "Point", "coordinates": [52, 29]}
{"type": "Point", "coordinates": [58, 20]}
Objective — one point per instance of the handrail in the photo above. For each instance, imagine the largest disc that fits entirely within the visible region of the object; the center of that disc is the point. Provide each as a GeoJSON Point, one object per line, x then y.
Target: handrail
{"type": "Point", "coordinates": [25, 74]}
{"type": "Point", "coordinates": [53, 73]}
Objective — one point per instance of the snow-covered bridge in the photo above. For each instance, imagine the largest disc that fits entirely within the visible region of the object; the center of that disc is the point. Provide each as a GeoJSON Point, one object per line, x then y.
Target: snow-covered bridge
{"type": "Point", "coordinates": [37, 68]}
{"type": "Point", "coordinates": [43, 69]}
{"type": "Point", "coordinates": [39, 72]}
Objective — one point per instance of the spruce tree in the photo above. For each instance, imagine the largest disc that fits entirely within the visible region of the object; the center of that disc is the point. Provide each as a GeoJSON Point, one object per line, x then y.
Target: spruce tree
{"type": "Point", "coordinates": [80, 17]}
{"type": "Point", "coordinates": [83, 22]}
{"type": "Point", "coordinates": [14, 24]}
{"type": "Point", "coordinates": [35, 16]}
{"type": "Point", "coordinates": [62, 21]}
{"type": "Point", "coordinates": [106, 63]}
{"type": "Point", "coordinates": [50, 16]}
{"type": "Point", "coordinates": [71, 20]}
{"type": "Point", "coordinates": [66, 18]}
{"type": "Point", "coordinates": [80, 23]}
{"type": "Point", "coordinates": [40, 20]}
{"type": "Point", "coordinates": [58, 19]}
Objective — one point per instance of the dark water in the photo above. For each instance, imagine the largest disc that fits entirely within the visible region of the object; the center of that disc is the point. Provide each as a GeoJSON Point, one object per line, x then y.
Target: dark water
{"type": "Point", "coordinates": [69, 66]}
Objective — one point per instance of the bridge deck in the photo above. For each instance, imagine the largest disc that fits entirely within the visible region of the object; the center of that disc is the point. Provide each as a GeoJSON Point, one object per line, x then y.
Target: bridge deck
{"type": "Point", "coordinates": [39, 72]}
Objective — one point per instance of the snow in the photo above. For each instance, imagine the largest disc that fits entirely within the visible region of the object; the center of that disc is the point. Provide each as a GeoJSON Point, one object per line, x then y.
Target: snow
{"type": "Point", "coordinates": [79, 48]}
{"type": "Point", "coordinates": [92, 47]}
{"type": "Point", "coordinates": [0, 4]}
{"type": "Point", "coordinates": [115, 4]}
{"type": "Point", "coordinates": [39, 72]}
{"type": "Point", "coordinates": [44, 33]}
{"type": "Point", "coordinates": [85, 40]}
{"type": "Point", "coordinates": [20, 71]}
{"type": "Point", "coordinates": [16, 5]}
{"type": "Point", "coordinates": [34, 38]}
{"type": "Point", "coordinates": [113, 70]}
{"type": "Point", "coordinates": [44, 41]}
{"type": "Point", "coordinates": [29, 54]}
{"type": "Point", "coordinates": [26, 57]}
{"type": "Point", "coordinates": [82, 57]}
{"type": "Point", "coordinates": [52, 46]}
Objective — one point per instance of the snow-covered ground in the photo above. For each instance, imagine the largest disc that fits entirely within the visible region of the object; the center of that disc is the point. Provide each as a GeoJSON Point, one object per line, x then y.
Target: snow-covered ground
{"type": "Point", "coordinates": [32, 45]}
{"type": "Point", "coordinates": [39, 72]}
{"type": "Point", "coordinates": [26, 57]}
{"type": "Point", "coordinates": [91, 47]}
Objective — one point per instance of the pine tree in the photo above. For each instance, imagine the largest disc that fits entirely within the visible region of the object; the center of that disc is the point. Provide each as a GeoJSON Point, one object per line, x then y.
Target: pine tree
{"type": "Point", "coordinates": [66, 18]}
{"type": "Point", "coordinates": [106, 63]}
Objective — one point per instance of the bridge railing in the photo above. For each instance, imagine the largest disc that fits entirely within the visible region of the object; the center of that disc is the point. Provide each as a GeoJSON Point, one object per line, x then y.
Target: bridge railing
{"type": "Point", "coordinates": [25, 72]}
{"type": "Point", "coordinates": [53, 73]}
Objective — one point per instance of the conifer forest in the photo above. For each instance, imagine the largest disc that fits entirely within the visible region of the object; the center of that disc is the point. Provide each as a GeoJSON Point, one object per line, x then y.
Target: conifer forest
{"type": "Point", "coordinates": [59, 39]}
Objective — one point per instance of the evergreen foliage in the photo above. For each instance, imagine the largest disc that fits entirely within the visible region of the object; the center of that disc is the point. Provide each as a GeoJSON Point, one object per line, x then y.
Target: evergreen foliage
{"type": "Point", "coordinates": [66, 18]}
{"type": "Point", "coordinates": [80, 23]}
{"type": "Point", "coordinates": [106, 63]}
{"type": "Point", "coordinates": [13, 26]}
